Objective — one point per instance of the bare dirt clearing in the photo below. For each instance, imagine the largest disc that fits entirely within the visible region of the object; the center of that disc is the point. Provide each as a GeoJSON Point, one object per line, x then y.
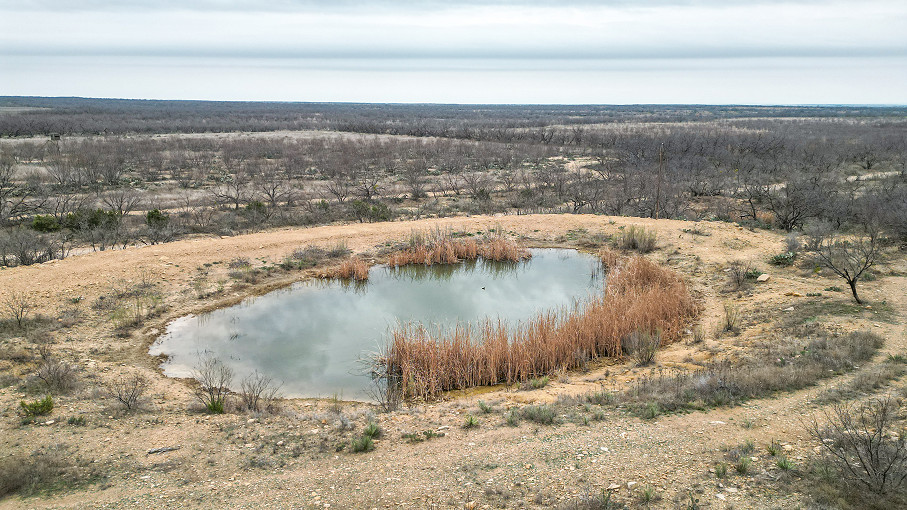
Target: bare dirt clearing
{"type": "Point", "coordinates": [294, 459]}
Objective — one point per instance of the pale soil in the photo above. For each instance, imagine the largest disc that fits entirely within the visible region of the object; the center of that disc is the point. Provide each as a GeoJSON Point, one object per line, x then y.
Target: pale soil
{"type": "Point", "coordinates": [236, 462]}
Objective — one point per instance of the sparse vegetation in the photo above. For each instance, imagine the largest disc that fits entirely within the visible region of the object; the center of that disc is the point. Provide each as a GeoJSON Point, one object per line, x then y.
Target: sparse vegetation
{"type": "Point", "coordinates": [259, 393]}
{"type": "Point", "coordinates": [783, 365]}
{"type": "Point", "coordinates": [213, 379]}
{"type": "Point", "coordinates": [128, 390]}
{"type": "Point", "coordinates": [864, 445]}
{"type": "Point", "coordinates": [541, 414]}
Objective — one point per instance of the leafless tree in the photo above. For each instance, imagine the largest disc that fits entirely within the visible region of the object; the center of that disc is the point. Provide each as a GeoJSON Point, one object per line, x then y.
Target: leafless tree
{"type": "Point", "coordinates": [19, 305]}
{"type": "Point", "coordinates": [849, 256]}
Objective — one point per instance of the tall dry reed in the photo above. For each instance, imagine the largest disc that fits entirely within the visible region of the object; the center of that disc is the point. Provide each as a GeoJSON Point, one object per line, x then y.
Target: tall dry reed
{"type": "Point", "coordinates": [638, 296]}
{"type": "Point", "coordinates": [440, 247]}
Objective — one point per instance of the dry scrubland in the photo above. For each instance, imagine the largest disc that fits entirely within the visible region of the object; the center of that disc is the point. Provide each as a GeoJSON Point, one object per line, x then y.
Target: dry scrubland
{"type": "Point", "coordinates": [728, 362]}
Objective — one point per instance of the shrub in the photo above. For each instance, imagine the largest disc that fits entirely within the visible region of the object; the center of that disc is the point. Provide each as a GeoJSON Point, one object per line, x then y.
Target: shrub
{"type": "Point", "coordinates": [363, 444]}
{"type": "Point", "coordinates": [57, 375]}
{"type": "Point", "coordinates": [40, 407]}
{"type": "Point", "coordinates": [864, 444]}
{"type": "Point", "coordinates": [739, 272]}
{"type": "Point", "coordinates": [258, 392]}
{"type": "Point", "coordinates": [128, 390]}
{"type": "Point", "coordinates": [783, 259]}
{"type": "Point", "coordinates": [642, 346]}
{"type": "Point", "coordinates": [512, 418]}
{"type": "Point", "coordinates": [542, 414]}
{"type": "Point", "coordinates": [19, 305]}
{"type": "Point", "coordinates": [45, 223]}
{"type": "Point", "coordinates": [214, 379]}
{"type": "Point", "coordinates": [637, 239]}
{"type": "Point", "coordinates": [471, 422]}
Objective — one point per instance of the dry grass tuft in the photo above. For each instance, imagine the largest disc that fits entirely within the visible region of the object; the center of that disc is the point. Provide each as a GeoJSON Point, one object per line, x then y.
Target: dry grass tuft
{"type": "Point", "coordinates": [638, 296]}
{"type": "Point", "coordinates": [352, 268]}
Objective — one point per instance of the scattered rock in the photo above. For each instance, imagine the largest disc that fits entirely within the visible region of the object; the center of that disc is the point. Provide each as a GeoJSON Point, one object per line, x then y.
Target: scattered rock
{"type": "Point", "coordinates": [163, 449]}
{"type": "Point", "coordinates": [793, 294]}
{"type": "Point", "coordinates": [613, 487]}
{"type": "Point", "coordinates": [630, 485]}
{"type": "Point", "coordinates": [763, 277]}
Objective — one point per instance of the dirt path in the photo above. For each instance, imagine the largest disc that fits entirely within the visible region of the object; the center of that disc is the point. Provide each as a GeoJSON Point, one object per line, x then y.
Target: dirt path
{"type": "Point", "coordinates": [239, 461]}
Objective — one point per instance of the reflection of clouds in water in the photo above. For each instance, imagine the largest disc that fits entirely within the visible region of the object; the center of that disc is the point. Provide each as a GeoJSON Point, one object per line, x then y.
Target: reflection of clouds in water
{"type": "Point", "coordinates": [312, 335]}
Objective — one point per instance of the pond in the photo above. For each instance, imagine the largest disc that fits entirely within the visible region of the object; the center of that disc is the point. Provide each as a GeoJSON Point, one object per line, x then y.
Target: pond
{"type": "Point", "coordinates": [313, 335]}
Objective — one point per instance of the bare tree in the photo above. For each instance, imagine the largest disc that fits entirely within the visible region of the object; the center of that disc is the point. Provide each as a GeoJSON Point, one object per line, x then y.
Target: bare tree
{"type": "Point", "coordinates": [849, 257]}
{"type": "Point", "coordinates": [19, 304]}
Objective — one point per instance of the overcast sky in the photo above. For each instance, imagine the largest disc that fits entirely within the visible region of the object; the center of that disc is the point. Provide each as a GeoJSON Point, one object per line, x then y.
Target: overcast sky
{"type": "Point", "coordinates": [575, 51]}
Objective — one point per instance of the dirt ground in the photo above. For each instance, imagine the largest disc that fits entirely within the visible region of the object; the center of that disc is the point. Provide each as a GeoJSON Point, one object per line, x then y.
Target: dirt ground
{"type": "Point", "coordinates": [290, 460]}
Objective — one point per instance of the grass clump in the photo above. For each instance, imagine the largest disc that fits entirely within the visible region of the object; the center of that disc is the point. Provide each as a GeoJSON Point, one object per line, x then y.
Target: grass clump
{"type": "Point", "coordinates": [485, 408]}
{"type": "Point", "coordinates": [743, 465]}
{"type": "Point", "coordinates": [637, 239]}
{"type": "Point", "coordinates": [40, 407]}
{"type": "Point", "coordinates": [541, 414]}
{"type": "Point", "coordinates": [784, 464]}
{"type": "Point", "coordinates": [353, 268]}
{"type": "Point", "coordinates": [512, 419]}
{"type": "Point", "coordinates": [470, 422]}
{"type": "Point", "coordinates": [372, 430]}
{"type": "Point", "coordinates": [362, 444]}
{"type": "Point", "coordinates": [442, 247]}
{"type": "Point", "coordinates": [720, 470]}
{"type": "Point", "coordinates": [539, 382]}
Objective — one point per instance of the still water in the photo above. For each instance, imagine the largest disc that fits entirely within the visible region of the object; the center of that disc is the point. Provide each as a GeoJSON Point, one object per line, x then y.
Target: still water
{"type": "Point", "coordinates": [313, 335]}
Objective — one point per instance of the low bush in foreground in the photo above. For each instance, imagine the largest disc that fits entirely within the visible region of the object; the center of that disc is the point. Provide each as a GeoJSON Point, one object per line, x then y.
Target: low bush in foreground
{"type": "Point", "coordinates": [45, 470]}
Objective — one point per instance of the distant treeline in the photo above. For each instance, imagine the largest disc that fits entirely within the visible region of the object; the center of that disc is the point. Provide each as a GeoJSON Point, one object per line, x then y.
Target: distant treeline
{"type": "Point", "coordinates": [32, 116]}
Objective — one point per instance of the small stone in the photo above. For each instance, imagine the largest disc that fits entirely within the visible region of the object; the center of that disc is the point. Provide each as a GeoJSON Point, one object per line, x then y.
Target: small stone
{"type": "Point", "coordinates": [630, 485]}
{"type": "Point", "coordinates": [613, 487]}
{"type": "Point", "coordinates": [789, 309]}
{"type": "Point", "coordinates": [720, 496]}
{"type": "Point", "coordinates": [763, 278]}
{"type": "Point", "coordinates": [50, 422]}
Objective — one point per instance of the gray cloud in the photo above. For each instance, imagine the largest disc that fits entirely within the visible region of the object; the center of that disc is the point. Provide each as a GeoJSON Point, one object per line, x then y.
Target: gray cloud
{"type": "Point", "coordinates": [322, 5]}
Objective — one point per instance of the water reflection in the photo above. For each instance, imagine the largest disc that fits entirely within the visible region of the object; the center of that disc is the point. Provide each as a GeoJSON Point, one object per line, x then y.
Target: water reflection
{"type": "Point", "coordinates": [311, 335]}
